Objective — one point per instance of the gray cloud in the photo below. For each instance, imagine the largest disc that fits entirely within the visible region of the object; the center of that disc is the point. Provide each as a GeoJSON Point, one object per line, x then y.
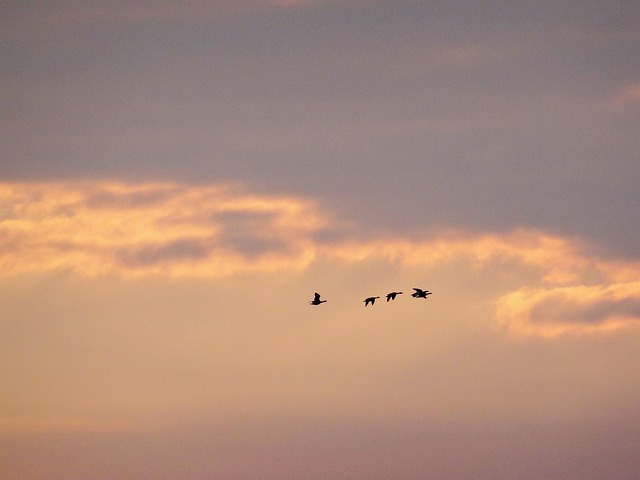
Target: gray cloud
{"type": "Point", "coordinates": [144, 197]}
{"type": "Point", "coordinates": [251, 233]}
{"type": "Point", "coordinates": [559, 308]}
{"type": "Point", "coordinates": [183, 249]}
{"type": "Point", "coordinates": [401, 115]}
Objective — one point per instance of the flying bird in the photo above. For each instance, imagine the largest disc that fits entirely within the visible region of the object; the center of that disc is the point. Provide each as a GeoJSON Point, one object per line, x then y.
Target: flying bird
{"type": "Point", "coordinates": [316, 299]}
{"type": "Point", "coordinates": [370, 300]}
{"type": "Point", "coordinates": [419, 293]}
{"type": "Point", "coordinates": [392, 295]}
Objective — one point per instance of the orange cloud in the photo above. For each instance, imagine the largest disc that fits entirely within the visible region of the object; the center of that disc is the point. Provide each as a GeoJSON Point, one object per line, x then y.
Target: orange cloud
{"type": "Point", "coordinates": [163, 229]}
{"type": "Point", "coordinates": [558, 259]}
{"type": "Point", "coordinates": [100, 228]}
{"type": "Point", "coordinates": [572, 293]}
{"type": "Point", "coordinates": [575, 309]}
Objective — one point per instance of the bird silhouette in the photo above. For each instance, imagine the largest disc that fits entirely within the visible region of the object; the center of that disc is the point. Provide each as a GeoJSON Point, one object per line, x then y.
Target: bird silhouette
{"type": "Point", "coordinates": [392, 295]}
{"type": "Point", "coordinates": [316, 300]}
{"type": "Point", "coordinates": [419, 293]}
{"type": "Point", "coordinates": [370, 300]}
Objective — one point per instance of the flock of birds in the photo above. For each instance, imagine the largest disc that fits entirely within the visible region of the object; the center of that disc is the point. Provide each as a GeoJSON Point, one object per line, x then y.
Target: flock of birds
{"type": "Point", "coordinates": [418, 293]}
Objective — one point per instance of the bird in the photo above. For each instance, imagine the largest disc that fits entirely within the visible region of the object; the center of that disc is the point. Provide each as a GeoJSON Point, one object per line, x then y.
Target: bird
{"type": "Point", "coordinates": [392, 295]}
{"type": "Point", "coordinates": [419, 293]}
{"type": "Point", "coordinates": [370, 300]}
{"type": "Point", "coordinates": [316, 299]}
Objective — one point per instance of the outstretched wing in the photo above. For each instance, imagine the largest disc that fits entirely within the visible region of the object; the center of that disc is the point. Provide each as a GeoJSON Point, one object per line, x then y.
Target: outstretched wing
{"type": "Point", "coordinates": [316, 297]}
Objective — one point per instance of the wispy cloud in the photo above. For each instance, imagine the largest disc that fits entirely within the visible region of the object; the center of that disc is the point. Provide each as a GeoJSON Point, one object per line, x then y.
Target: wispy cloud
{"type": "Point", "coordinates": [569, 291]}
{"type": "Point", "coordinates": [151, 229]}
{"type": "Point", "coordinates": [574, 309]}
{"type": "Point", "coordinates": [171, 230]}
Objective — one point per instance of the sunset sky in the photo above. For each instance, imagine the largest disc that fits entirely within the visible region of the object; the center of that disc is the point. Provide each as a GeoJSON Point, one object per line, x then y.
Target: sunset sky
{"type": "Point", "coordinates": [177, 179]}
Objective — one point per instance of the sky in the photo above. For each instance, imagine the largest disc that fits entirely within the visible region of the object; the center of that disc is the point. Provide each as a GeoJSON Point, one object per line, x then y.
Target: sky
{"type": "Point", "coordinates": [178, 179]}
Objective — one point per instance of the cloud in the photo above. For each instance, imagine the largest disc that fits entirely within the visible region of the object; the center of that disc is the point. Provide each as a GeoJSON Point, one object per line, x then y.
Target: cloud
{"type": "Point", "coordinates": [566, 290]}
{"type": "Point", "coordinates": [93, 229]}
{"type": "Point", "coordinates": [575, 309]}
{"type": "Point", "coordinates": [179, 250]}
{"type": "Point", "coordinates": [99, 228]}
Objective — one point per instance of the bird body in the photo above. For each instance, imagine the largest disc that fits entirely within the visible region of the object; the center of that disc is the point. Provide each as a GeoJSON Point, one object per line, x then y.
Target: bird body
{"type": "Point", "coordinates": [316, 300]}
{"type": "Point", "coordinates": [370, 300]}
{"type": "Point", "coordinates": [419, 293]}
{"type": "Point", "coordinates": [392, 295]}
